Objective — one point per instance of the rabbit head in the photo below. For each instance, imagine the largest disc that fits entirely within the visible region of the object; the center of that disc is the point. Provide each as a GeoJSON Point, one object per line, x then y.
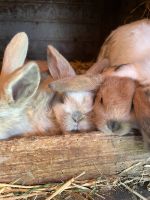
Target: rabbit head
{"type": "Point", "coordinates": [75, 112]}
{"type": "Point", "coordinates": [141, 103]}
{"type": "Point", "coordinates": [113, 106]}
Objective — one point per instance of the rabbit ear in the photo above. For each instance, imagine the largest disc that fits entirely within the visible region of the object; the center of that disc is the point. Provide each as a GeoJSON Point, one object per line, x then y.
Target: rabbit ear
{"type": "Point", "coordinates": [15, 53]}
{"type": "Point", "coordinates": [77, 83]}
{"type": "Point", "coordinates": [58, 66]}
{"type": "Point", "coordinates": [23, 83]}
{"type": "Point", "coordinates": [98, 67]}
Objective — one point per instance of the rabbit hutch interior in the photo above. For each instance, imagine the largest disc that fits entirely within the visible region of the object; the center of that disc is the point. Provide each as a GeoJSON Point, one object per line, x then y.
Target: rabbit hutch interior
{"type": "Point", "coordinates": [51, 145]}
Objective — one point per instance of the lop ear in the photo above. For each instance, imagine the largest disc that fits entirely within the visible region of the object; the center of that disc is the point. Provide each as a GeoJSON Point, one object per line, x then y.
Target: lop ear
{"type": "Point", "coordinates": [58, 66]}
{"type": "Point", "coordinates": [98, 67]}
{"type": "Point", "coordinates": [77, 83]}
{"type": "Point", "coordinates": [15, 53]}
{"type": "Point", "coordinates": [22, 84]}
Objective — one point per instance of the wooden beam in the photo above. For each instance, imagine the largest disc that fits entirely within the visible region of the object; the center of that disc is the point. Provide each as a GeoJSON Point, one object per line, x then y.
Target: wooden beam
{"type": "Point", "coordinates": [36, 160]}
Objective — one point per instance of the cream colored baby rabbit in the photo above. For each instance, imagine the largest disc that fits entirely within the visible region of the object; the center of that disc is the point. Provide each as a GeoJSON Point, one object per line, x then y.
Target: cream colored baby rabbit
{"type": "Point", "coordinates": [75, 111]}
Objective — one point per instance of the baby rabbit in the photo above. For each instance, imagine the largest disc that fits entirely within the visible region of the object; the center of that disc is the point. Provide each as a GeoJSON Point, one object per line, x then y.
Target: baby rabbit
{"type": "Point", "coordinates": [113, 108]}
{"type": "Point", "coordinates": [75, 111]}
{"type": "Point", "coordinates": [25, 102]}
{"type": "Point", "coordinates": [142, 111]}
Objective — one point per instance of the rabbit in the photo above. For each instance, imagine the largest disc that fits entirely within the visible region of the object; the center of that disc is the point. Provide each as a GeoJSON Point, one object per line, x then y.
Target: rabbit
{"type": "Point", "coordinates": [141, 103]}
{"type": "Point", "coordinates": [25, 101]}
{"type": "Point", "coordinates": [74, 113]}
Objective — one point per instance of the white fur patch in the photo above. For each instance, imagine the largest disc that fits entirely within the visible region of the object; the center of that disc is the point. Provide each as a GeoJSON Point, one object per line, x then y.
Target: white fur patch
{"type": "Point", "coordinates": [79, 100]}
{"type": "Point", "coordinates": [79, 96]}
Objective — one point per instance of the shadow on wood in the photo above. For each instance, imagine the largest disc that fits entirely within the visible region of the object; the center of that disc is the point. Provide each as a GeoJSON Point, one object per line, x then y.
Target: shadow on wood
{"type": "Point", "coordinates": [36, 160]}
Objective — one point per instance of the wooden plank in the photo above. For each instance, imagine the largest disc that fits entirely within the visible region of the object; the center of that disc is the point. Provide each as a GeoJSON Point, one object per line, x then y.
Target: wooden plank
{"type": "Point", "coordinates": [57, 22]}
{"type": "Point", "coordinates": [73, 41]}
{"type": "Point", "coordinates": [50, 11]}
{"type": "Point", "coordinates": [50, 31]}
{"type": "Point", "coordinates": [37, 160]}
{"type": "Point", "coordinates": [69, 49]}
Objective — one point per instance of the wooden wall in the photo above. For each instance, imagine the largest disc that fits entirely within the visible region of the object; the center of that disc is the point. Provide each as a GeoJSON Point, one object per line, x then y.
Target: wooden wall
{"type": "Point", "coordinates": [77, 28]}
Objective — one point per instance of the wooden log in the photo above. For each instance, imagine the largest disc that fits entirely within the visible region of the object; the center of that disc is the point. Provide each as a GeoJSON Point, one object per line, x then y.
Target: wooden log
{"type": "Point", "coordinates": [36, 160]}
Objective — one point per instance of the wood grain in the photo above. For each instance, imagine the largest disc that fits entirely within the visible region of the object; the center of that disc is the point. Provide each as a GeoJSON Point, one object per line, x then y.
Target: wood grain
{"type": "Point", "coordinates": [37, 160]}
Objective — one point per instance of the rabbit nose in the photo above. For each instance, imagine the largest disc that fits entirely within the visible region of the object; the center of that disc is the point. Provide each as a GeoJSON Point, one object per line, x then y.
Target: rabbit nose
{"type": "Point", "coordinates": [113, 125]}
{"type": "Point", "coordinates": [77, 116]}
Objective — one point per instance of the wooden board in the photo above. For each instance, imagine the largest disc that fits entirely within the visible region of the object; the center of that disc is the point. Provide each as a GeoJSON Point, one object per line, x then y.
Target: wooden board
{"type": "Point", "coordinates": [71, 26]}
{"type": "Point", "coordinates": [37, 160]}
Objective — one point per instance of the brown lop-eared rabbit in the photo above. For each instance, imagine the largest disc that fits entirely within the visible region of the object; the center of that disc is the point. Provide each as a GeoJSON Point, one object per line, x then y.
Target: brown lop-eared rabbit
{"type": "Point", "coordinates": [25, 101]}
{"type": "Point", "coordinates": [122, 61]}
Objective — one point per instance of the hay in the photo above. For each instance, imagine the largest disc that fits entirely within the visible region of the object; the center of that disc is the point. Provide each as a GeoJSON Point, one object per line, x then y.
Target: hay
{"type": "Point", "coordinates": [76, 189]}
{"type": "Point", "coordinates": [81, 67]}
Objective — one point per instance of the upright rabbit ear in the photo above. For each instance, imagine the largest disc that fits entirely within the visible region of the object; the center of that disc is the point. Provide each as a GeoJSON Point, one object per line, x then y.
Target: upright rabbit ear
{"type": "Point", "coordinates": [15, 53]}
{"type": "Point", "coordinates": [77, 83]}
{"type": "Point", "coordinates": [58, 66]}
{"type": "Point", "coordinates": [98, 67]}
{"type": "Point", "coordinates": [23, 83]}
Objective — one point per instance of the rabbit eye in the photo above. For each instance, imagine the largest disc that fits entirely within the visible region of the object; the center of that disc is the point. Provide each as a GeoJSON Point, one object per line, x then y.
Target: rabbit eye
{"type": "Point", "coordinates": [62, 99]}
{"type": "Point", "coordinates": [132, 107]}
{"type": "Point", "coordinates": [101, 100]}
